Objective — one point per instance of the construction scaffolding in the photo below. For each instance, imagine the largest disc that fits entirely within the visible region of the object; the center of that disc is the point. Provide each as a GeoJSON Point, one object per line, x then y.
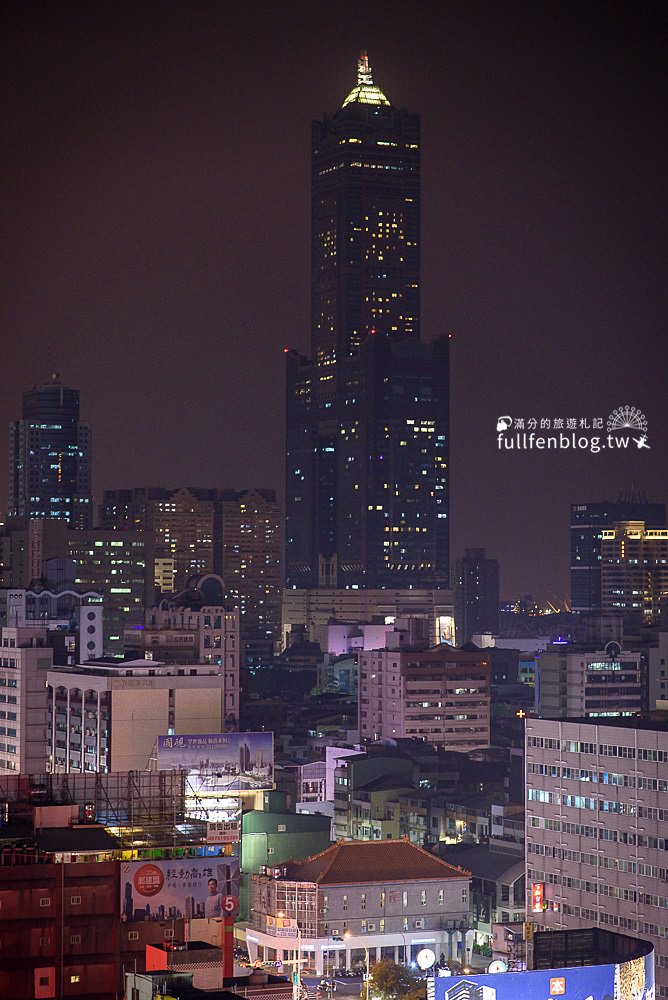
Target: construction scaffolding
{"type": "Point", "coordinates": [141, 808]}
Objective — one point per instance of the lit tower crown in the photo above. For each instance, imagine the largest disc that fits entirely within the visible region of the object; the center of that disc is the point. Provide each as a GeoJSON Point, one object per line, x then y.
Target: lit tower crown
{"type": "Point", "coordinates": [365, 92]}
{"type": "Point", "coordinates": [363, 69]}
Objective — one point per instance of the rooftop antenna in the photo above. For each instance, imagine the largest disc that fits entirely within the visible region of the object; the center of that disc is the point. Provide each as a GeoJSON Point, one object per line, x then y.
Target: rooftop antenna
{"type": "Point", "coordinates": [364, 77]}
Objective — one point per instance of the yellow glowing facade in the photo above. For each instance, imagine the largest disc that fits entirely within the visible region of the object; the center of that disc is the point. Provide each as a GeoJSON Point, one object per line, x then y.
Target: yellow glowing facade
{"type": "Point", "coordinates": [365, 92]}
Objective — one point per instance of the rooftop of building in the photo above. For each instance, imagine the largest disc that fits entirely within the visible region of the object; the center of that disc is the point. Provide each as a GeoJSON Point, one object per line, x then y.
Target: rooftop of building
{"type": "Point", "coordinates": [452, 654]}
{"type": "Point", "coordinates": [108, 667]}
{"type": "Point", "coordinates": [384, 783]}
{"type": "Point", "coordinates": [656, 721]}
{"type": "Point", "coordinates": [464, 800]}
{"type": "Point", "coordinates": [484, 862]}
{"type": "Point", "coordinates": [179, 984]}
{"type": "Point", "coordinates": [301, 647]}
{"type": "Point", "coordinates": [364, 861]}
{"type": "Point", "coordinates": [79, 839]}
{"type": "Point", "coordinates": [190, 946]}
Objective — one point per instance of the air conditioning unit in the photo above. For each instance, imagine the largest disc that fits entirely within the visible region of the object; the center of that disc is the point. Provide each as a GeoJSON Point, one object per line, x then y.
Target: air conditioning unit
{"type": "Point", "coordinates": [419, 923]}
{"type": "Point", "coordinates": [371, 926]}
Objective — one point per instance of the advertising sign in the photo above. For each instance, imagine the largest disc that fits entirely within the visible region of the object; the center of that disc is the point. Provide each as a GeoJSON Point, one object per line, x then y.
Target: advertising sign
{"type": "Point", "coordinates": [282, 926]}
{"type": "Point", "coordinates": [205, 802]}
{"type": "Point", "coordinates": [231, 762]}
{"type": "Point", "coordinates": [537, 897]}
{"type": "Point", "coordinates": [226, 832]}
{"type": "Point", "coordinates": [632, 980]}
{"type": "Point", "coordinates": [180, 887]}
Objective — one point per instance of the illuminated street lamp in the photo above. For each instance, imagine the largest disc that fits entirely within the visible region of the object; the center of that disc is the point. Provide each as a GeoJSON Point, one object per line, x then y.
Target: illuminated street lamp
{"type": "Point", "coordinates": [348, 935]}
{"type": "Point", "coordinates": [297, 978]}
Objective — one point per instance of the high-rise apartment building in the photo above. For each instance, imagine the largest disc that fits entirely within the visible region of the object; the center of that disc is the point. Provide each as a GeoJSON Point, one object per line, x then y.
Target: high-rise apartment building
{"type": "Point", "coordinates": [50, 458]}
{"type": "Point", "coordinates": [587, 523]}
{"type": "Point", "coordinates": [596, 845]}
{"type": "Point", "coordinates": [249, 550]}
{"type": "Point", "coordinates": [181, 523]}
{"type": "Point", "coordinates": [367, 414]}
{"type": "Point", "coordinates": [476, 595]}
{"type": "Point", "coordinates": [24, 661]}
{"type": "Point", "coordinates": [59, 921]}
{"type": "Point", "coordinates": [634, 570]}
{"type": "Point", "coordinates": [441, 696]}
{"type": "Point", "coordinates": [112, 564]}
{"type": "Point", "coordinates": [234, 533]}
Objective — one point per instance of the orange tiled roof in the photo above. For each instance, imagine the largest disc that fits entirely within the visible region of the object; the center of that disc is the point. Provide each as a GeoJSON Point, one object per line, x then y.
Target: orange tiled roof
{"type": "Point", "coordinates": [363, 861]}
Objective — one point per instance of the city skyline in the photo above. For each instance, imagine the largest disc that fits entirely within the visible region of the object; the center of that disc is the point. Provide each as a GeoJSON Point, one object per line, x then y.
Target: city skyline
{"type": "Point", "coordinates": [155, 158]}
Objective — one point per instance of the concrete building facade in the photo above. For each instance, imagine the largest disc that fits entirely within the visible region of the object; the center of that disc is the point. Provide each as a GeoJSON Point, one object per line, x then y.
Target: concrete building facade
{"type": "Point", "coordinates": [316, 609]}
{"type": "Point", "coordinates": [250, 554]}
{"type": "Point", "coordinates": [571, 682]}
{"type": "Point", "coordinates": [233, 533]}
{"type": "Point", "coordinates": [596, 842]}
{"type": "Point", "coordinates": [588, 521]}
{"type": "Point", "coordinates": [193, 635]}
{"type": "Point", "coordinates": [25, 661]}
{"type": "Point", "coordinates": [441, 695]}
{"type": "Point", "coordinates": [389, 898]}
{"type": "Point", "coordinates": [59, 929]}
{"type": "Point", "coordinates": [634, 570]}
{"type": "Point", "coordinates": [108, 718]}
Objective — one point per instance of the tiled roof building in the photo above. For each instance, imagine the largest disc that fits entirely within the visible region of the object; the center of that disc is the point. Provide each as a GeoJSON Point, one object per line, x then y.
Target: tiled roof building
{"type": "Point", "coordinates": [362, 861]}
{"type": "Point", "coordinates": [379, 898]}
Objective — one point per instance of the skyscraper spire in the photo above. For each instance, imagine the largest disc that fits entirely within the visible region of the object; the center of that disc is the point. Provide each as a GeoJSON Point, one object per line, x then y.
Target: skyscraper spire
{"type": "Point", "coordinates": [364, 91]}
{"type": "Point", "coordinates": [364, 76]}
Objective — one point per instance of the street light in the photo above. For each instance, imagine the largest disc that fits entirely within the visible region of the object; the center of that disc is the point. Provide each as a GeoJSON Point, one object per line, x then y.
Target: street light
{"type": "Point", "coordinates": [348, 935]}
{"type": "Point", "coordinates": [297, 978]}
{"type": "Point", "coordinates": [405, 948]}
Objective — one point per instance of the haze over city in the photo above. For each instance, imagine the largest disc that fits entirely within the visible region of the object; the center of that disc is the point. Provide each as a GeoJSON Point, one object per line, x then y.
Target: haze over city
{"type": "Point", "coordinates": [156, 211]}
{"type": "Point", "coordinates": [334, 360]}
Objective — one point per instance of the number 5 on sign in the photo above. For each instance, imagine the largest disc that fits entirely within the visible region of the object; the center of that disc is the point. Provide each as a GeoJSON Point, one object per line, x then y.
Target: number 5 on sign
{"type": "Point", "coordinates": [230, 905]}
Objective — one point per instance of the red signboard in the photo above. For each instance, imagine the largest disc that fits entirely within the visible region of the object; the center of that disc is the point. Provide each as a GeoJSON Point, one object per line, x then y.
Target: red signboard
{"type": "Point", "coordinates": [537, 897]}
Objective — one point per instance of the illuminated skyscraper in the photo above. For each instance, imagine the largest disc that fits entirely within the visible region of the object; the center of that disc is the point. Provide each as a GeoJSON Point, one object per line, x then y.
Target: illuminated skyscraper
{"type": "Point", "coordinates": [587, 524]}
{"type": "Point", "coordinates": [236, 533]}
{"type": "Point", "coordinates": [50, 458]}
{"type": "Point", "coordinates": [367, 414]}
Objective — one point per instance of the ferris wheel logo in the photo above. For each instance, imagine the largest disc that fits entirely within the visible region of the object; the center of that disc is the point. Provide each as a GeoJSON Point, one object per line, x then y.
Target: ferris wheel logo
{"type": "Point", "coordinates": [627, 418]}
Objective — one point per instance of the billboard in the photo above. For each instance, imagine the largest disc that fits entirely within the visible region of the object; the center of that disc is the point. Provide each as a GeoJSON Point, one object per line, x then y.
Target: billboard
{"type": "Point", "coordinates": [282, 927]}
{"type": "Point", "coordinates": [180, 887]}
{"type": "Point", "coordinates": [234, 762]}
{"type": "Point", "coordinates": [225, 832]}
{"type": "Point", "coordinates": [537, 897]}
{"type": "Point", "coordinates": [633, 980]}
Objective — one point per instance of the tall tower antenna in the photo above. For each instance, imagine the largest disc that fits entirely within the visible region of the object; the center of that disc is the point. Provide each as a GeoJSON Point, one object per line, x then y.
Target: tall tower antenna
{"type": "Point", "coordinates": [364, 70]}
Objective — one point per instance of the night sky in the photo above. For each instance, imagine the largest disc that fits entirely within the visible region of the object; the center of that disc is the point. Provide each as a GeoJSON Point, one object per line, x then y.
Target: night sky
{"type": "Point", "coordinates": [156, 220]}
